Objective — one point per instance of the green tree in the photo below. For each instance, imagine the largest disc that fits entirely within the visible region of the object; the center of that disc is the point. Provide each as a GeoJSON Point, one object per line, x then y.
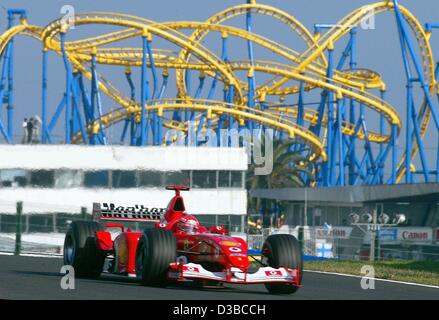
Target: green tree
{"type": "Point", "coordinates": [290, 167]}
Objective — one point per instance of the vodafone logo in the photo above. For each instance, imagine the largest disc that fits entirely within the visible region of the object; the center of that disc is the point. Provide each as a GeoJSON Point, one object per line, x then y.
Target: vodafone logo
{"type": "Point", "coordinates": [235, 249]}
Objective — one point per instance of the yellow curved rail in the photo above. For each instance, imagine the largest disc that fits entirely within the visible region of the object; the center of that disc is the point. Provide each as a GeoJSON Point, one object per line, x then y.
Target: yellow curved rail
{"type": "Point", "coordinates": [309, 67]}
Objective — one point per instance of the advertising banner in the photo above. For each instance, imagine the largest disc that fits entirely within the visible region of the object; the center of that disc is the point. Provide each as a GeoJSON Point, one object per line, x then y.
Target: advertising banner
{"type": "Point", "coordinates": [390, 234]}
{"type": "Point", "coordinates": [335, 232]}
{"type": "Point", "coordinates": [415, 234]}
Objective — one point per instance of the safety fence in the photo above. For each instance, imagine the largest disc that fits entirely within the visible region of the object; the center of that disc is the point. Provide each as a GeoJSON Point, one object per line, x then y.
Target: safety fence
{"type": "Point", "coordinates": [353, 243]}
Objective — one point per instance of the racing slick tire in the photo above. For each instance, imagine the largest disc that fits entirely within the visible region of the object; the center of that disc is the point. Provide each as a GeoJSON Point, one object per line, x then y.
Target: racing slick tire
{"type": "Point", "coordinates": [283, 250]}
{"type": "Point", "coordinates": [156, 249]}
{"type": "Point", "coordinates": [81, 251]}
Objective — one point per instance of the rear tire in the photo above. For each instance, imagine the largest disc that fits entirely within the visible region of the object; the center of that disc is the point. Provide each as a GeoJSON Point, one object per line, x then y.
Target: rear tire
{"type": "Point", "coordinates": [283, 250]}
{"type": "Point", "coordinates": [81, 251]}
{"type": "Point", "coordinates": [156, 249]}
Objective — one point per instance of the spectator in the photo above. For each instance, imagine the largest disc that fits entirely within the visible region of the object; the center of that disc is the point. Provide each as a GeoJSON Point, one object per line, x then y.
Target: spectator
{"type": "Point", "coordinates": [24, 126]}
{"type": "Point", "coordinates": [30, 130]}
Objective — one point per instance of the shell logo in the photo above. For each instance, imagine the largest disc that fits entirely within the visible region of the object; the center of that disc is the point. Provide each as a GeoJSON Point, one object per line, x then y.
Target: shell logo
{"type": "Point", "coordinates": [229, 243]}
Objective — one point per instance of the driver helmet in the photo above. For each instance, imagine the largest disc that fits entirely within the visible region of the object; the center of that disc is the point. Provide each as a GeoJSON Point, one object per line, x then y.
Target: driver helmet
{"type": "Point", "coordinates": [188, 224]}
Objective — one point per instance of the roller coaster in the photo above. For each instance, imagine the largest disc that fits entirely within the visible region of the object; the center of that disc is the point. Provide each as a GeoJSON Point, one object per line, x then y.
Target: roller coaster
{"type": "Point", "coordinates": [328, 132]}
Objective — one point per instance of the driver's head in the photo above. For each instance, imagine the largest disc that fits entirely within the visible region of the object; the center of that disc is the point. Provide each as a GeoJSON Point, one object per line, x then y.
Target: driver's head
{"type": "Point", "coordinates": [188, 224]}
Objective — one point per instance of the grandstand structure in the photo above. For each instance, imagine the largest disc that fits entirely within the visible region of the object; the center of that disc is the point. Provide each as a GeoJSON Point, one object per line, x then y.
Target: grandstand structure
{"type": "Point", "coordinates": [214, 91]}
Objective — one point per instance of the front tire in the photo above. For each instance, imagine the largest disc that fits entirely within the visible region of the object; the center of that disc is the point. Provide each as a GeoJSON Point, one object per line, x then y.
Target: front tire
{"type": "Point", "coordinates": [283, 250]}
{"type": "Point", "coordinates": [156, 249]}
{"type": "Point", "coordinates": [81, 251]}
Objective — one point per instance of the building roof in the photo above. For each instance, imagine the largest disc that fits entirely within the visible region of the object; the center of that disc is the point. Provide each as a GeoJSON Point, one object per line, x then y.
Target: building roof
{"type": "Point", "coordinates": [49, 157]}
{"type": "Point", "coordinates": [418, 192]}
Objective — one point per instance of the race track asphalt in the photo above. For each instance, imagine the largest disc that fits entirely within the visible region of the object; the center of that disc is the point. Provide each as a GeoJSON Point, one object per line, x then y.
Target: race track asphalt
{"type": "Point", "coordinates": [39, 278]}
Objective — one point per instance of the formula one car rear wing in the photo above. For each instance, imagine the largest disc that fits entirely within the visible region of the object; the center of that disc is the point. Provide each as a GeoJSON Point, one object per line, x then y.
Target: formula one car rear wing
{"type": "Point", "coordinates": [109, 211]}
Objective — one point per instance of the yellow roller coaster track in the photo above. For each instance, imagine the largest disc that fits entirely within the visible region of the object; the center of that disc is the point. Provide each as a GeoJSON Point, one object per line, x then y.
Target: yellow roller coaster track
{"type": "Point", "coordinates": [309, 67]}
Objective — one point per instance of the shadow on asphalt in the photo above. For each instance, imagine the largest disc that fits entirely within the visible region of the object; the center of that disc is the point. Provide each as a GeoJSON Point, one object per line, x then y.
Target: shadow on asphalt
{"type": "Point", "coordinates": [125, 281]}
{"type": "Point", "coordinates": [39, 273]}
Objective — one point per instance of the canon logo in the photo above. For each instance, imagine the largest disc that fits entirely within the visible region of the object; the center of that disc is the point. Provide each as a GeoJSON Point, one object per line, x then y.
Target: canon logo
{"type": "Point", "coordinates": [407, 235]}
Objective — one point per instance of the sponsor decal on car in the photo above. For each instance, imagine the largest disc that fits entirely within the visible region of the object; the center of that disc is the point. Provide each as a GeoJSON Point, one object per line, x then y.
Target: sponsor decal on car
{"type": "Point", "coordinates": [111, 211]}
{"type": "Point", "coordinates": [228, 243]}
{"type": "Point", "coordinates": [273, 273]}
{"type": "Point", "coordinates": [191, 269]}
{"type": "Point", "coordinates": [237, 255]}
{"type": "Point", "coordinates": [235, 249]}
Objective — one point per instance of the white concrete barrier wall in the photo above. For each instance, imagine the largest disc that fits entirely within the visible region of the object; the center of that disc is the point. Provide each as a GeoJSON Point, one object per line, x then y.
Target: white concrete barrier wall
{"type": "Point", "coordinates": [197, 201]}
{"type": "Point", "coordinates": [121, 158]}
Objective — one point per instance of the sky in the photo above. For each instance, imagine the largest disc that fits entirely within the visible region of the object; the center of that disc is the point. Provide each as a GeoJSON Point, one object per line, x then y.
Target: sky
{"type": "Point", "coordinates": [378, 49]}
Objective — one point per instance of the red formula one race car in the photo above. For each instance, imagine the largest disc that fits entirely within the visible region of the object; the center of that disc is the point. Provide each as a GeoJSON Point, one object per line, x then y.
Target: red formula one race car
{"type": "Point", "coordinates": [177, 249]}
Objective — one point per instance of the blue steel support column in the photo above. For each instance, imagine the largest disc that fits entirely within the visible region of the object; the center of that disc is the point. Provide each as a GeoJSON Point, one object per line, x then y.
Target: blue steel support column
{"type": "Point", "coordinates": [68, 68]}
{"type": "Point", "coordinates": [74, 122]}
{"type": "Point", "coordinates": [417, 133]}
{"type": "Point", "coordinates": [129, 121]}
{"type": "Point", "coordinates": [394, 153]}
{"type": "Point", "coordinates": [300, 105]}
{"type": "Point", "coordinates": [86, 101]}
{"type": "Point", "coordinates": [408, 151]}
{"type": "Point", "coordinates": [44, 132]}
{"type": "Point", "coordinates": [249, 25]}
{"type": "Point", "coordinates": [300, 112]}
{"type": "Point", "coordinates": [10, 107]}
{"type": "Point", "coordinates": [201, 78]}
{"type": "Point", "coordinates": [437, 163]}
{"type": "Point", "coordinates": [252, 79]}
{"type": "Point", "coordinates": [230, 120]}
{"type": "Point", "coordinates": [329, 179]}
{"type": "Point", "coordinates": [3, 93]}
{"type": "Point", "coordinates": [143, 92]}
{"type": "Point", "coordinates": [436, 75]}
{"type": "Point", "coordinates": [251, 94]}
{"type": "Point", "coordinates": [417, 64]}
{"type": "Point", "coordinates": [352, 118]}
{"type": "Point", "coordinates": [78, 123]}
{"type": "Point", "coordinates": [187, 81]}
{"type": "Point", "coordinates": [226, 89]}
{"type": "Point", "coordinates": [94, 87]}
{"type": "Point", "coordinates": [165, 75]}
{"type": "Point", "coordinates": [155, 85]}
{"type": "Point", "coordinates": [405, 41]}
{"type": "Point", "coordinates": [340, 106]}
{"type": "Point", "coordinates": [381, 164]}
{"type": "Point", "coordinates": [323, 98]}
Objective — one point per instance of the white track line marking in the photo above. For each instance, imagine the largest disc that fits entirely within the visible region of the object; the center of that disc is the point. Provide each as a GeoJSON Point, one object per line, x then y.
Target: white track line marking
{"type": "Point", "coordinates": [37, 255]}
{"type": "Point", "coordinates": [377, 279]}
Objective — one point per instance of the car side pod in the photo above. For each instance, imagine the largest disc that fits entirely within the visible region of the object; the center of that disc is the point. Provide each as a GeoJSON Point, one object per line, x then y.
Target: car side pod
{"type": "Point", "coordinates": [103, 240]}
{"type": "Point", "coordinates": [190, 271]}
